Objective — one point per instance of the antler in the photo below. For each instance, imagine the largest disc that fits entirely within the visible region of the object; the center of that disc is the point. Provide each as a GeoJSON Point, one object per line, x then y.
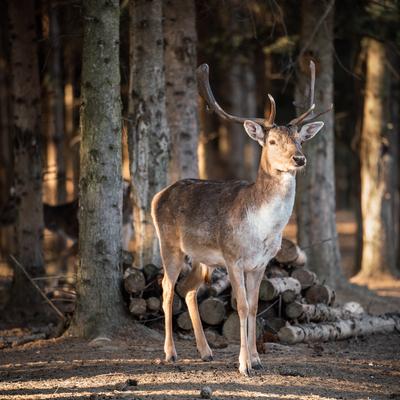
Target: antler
{"type": "Point", "coordinates": [309, 113]}
{"type": "Point", "coordinates": [206, 92]}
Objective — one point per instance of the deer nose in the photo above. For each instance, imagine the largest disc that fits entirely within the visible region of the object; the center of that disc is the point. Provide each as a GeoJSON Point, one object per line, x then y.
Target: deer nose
{"type": "Point", "coordinates": [299, 160]}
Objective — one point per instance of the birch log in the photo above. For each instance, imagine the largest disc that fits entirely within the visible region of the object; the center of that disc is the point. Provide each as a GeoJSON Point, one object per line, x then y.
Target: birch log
{"type": "Point", "coordinates": [273, 287]}
{"type": "Point", "coordinates": [342, 329]}
{"type": "Point", "coordinates": [321, 312]}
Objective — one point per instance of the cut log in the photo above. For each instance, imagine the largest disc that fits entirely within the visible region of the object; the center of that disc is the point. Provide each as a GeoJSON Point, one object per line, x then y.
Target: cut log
{"type": "Point", "coordinates": [306, 277]}
{"type": "Point", "coordinates": [231, 328]}
{"type": "Point", "coordinates": [153, 304]}
{"type": "Point", "coordinates": [275, 271]}
{"type": "Point", "coordinates": [271, 288]}
{"type": "Point", "coordinates": [342, 329]}
{"type": "Point", "coordinates": [321, 312]}
{"type": "Point", "coordinates": [220, 285]}
{"type": "Point", "coordinates": [274, 324]}
{"type": "Point", "coordinates": [289, 296]}
{"type": "Point", "coordinates": [287, 253]}
{"type": "Point", "coordinates": [134, 281]}
{"type": "Point", "coordinates": [320, 294]}
{"type": "Point", "coordinates": [212, 311]}
{"type": "Point", "coordinates": [215, 340]}
{"type": "Point", "coordinates": [176, 305]}
{"type": "Point", "coordinates": [137, 306]}
{"type": "Point", "coordinates": [291, 254]}
{"type": "Point", "coordinates": [184, 321]}
{"type": "Point", "coordinates": [151, 271]}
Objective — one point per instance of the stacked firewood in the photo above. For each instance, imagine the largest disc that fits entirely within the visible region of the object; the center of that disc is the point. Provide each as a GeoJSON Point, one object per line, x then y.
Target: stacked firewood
{"type": "Point", "coordinates": [294, 306]}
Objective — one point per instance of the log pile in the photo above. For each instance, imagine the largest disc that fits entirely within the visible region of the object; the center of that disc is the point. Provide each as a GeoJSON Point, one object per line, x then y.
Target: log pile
{"type": "Point", "coordinates": [293, 305]}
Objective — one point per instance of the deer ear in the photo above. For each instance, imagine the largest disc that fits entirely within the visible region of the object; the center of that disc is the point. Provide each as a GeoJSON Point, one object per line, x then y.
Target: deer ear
{"type": "Point", "coordinates": [254, 131]}
{"type": "Point", "coordinates": [308, 131]}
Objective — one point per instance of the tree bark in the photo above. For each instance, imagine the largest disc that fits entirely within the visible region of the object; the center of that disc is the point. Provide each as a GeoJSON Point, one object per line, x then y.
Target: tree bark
{"type": "Point", "coordinates": [57, 103]}
{"type": "Point", "coordinates": [379, 152]}
{"type": "Point", "coordinates": [99, 307]}
{"type": "Point", "coordinates": [239, 152]}
{"type": "Point", "coordinates": [27, 140]}
{"type": "Point", "coordinates": [148, 130]}
{"type": "Point", "coordinates": [181, 89]}
{"type": "Point", "coordinates": [316, 187]}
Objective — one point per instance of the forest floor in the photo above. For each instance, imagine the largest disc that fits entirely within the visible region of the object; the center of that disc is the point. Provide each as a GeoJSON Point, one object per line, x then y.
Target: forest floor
{"type": "Point", "coordinates": [131, 366]}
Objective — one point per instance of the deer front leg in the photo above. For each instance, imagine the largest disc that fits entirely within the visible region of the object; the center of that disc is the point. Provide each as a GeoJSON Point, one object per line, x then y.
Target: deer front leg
{"type": "Point", "coordinates": [253, 281]}
{"type": "Point", "coordinates": [236, 277]}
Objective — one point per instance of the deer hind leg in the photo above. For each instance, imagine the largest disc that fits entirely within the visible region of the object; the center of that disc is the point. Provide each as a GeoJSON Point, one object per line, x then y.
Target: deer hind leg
{"type": "Point", "coordinates": [173, 261]}
{"type": "Point", "coordinates": [190, 286]}
{"type": "Point", "coordinates": [253, 281]}
{"type": "Point", "coordinates": [236, 277]}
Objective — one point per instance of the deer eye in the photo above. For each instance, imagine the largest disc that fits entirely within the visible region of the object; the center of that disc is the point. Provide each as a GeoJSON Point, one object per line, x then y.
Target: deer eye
{"type": "Point", "coordinates": [272, 142]}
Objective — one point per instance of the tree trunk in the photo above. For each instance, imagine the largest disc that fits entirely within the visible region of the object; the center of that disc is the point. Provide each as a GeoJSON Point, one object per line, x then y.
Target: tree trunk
{"type": "Point", "coordinates": [181, 89]}
{"type": "Point", "coordinates": [99, 307]}
{"type": "Point", "coordinates": [239, 152]}
{"type": "Point", "coordinates": [57, 103]}
{"type": "Point", "coordinates": [27, 151]}
{"type": "Point", "coordinates": [379, 167]}
{"type": "Point", "coordinates": [316, 187]}
{"type": "Point", "coordinates": [148, 131]}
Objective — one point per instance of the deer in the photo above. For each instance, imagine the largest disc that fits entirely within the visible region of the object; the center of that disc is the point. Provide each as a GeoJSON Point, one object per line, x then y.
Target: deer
{"type": "Point", "coordinates": [234, 224]}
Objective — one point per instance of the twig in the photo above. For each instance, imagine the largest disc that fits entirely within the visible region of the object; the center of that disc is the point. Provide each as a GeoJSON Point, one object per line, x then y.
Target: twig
{"type": "Point", "coordinates": [266, 309]}
{"type": "Point", "coordinates": [56, 310]}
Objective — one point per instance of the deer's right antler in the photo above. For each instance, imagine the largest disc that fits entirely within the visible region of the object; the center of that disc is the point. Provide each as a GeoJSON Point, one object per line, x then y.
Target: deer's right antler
{"type": "Point", "coordinates": [206, 92]}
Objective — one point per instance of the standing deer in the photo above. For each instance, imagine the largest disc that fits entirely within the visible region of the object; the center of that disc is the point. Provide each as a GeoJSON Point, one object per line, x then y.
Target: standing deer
{"type": "Point", "coordinates": [234, 224]}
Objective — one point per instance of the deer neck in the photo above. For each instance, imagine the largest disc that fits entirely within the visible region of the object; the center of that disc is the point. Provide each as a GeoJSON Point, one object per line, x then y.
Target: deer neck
{"type": "Point", "coordinates": [272, 183]}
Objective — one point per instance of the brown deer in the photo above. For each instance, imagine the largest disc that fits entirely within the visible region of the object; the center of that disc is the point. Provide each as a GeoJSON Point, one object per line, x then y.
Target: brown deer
{"type": "Point", "coordinates": [234, 224]}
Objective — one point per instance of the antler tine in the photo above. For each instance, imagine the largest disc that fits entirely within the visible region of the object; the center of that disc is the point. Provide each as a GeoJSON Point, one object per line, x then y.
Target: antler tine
{"type": "Point", "coordinates": [309, 114]}
{"type": "Point", "coordinates": [268, 123]}
{"type": "Point", "coordinates": [206, 92]}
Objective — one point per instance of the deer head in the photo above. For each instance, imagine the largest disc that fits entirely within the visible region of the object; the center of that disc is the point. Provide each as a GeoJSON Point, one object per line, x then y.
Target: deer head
{"type": "Point", "coordinates": [281, 143]}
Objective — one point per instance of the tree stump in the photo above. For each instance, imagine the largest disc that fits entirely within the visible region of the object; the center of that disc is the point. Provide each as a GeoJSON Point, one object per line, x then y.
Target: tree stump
{"type": "Point", "coordinates": [153, 304]}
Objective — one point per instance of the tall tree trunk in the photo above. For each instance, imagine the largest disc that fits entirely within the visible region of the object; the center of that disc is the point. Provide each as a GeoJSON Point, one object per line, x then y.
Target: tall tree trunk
{"type": "Point", "coordinates": [27, 139]}
{"type": "Point", "coordinates": [239, 153]}
{"type": "Point", "coordinates": [148, 131]}
{"type": "Point", "coordinates": [5, 115]}
{"type": "Point", "coordinates": [99, 306]}
{"type": "Point", "coordinates": [57, 102]}
{"type": "Point", "coordinates": [316, 187]}
{"type": "Point", "coordinates": [181, 89]}
{"type": "Point", "coordinates": [379, 167]}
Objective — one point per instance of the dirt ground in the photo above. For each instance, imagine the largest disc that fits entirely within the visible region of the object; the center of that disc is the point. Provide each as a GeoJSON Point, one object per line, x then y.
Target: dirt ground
{"type": "Point", "coordinates": [129, 368]}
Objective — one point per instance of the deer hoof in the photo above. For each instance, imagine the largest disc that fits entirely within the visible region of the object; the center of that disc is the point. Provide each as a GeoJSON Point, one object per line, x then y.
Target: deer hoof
{"type": "Point", "coordinates": [172, 358]}
{"type": "Point", "coordinates": [257, 365]}
{"type": "Point", "coordinates": [207, 358]}
{"type": "Point", "coordinates": [245, 371]}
